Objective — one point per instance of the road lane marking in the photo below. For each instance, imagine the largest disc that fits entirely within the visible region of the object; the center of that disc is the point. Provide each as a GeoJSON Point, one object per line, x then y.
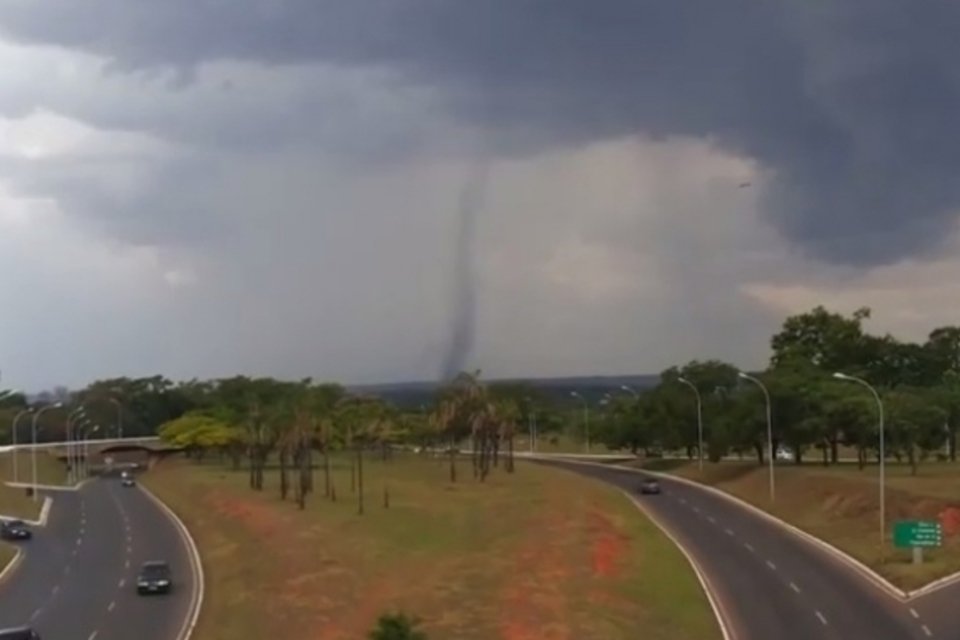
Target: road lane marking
{"type": "Point", "coordinates": [748, 546]}
{"type": "Point", "coordinates": [696, 509]}
{"type": "Point", "coordinates": [914, 613]}
{"type": "Point", "coordinates": [771, 565]}
{"type": "Point", "coordinates": [129, 550]}
{"type": "Point", "coordinates": [112, 605]}
{"type": "Point", "coordinates": [66, 569]}
{"type": "Point", "coordinates": [36, 614]}
{"type": "Point", "coordinates": [712, 520]}
{"type": "Point", "coordinates": [56, 590]}
{"type": "Point", "coordinates": [78, 542]}
{"type": "Point", "coordinates": [926, 630]}
{"type": "Point", "coordinates": [729, 532]}
{"type": "Point", "coordinates": [92, 636]}
{"type": "Point", "coordinates": [822, 619]}
{"type": "Point", "coordinates": [121, 583]}
{"type": "Point", "coordinates": [795, 587]}
{"type": "Point", "coordinates": [683, 501]}
{"type": "Point", "coordinates": [126, 565]}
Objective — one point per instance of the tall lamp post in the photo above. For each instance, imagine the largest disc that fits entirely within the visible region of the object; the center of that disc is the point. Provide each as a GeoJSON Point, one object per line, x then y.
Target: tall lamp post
{"type": "Point", "coordinates": [696, 392]}
{"type": "Point", "coordinates": [531, 424]}
{"type": "Point", "coordinates": [119, 417]}
{"type": "Point", "coordinates": [586, 419]}
{"type": "Point", "coordinates": [33, 452]}
{"type": "Point", "coordinates": [770, 454]}
{"type": "Point", "coordinates": [883, 454]}
{"type": "Point", "coordinates": [71, 445]}
{"type": "Point", "coordinates": [86, 446]}
{"type": "Point", "coordinates": [16, 424]}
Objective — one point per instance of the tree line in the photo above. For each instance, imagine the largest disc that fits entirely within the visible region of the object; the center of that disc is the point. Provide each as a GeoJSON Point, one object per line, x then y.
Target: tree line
{"type": "Point", "coordinates": [812, 411]}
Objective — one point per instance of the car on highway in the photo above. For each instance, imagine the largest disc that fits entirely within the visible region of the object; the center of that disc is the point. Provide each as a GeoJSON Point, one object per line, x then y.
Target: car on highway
{"type": "Point", "coordinates": [154, 577]}
{"type": "Point", "coordinates": [14, 530]}
{"type": "Point", "coordinates": [126, 479]}
{"type": "Point", "coordinates": [19, 633]}
{"type": "Point", "coordinates": [650, 486]}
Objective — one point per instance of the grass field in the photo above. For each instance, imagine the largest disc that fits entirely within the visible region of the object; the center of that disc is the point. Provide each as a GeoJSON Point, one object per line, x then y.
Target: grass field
{"type": "Point", "coordinates": [538, 555]}
{"type": "Point", "coordinates": [14, 501]}
{"type": "Point", "coordinates": [840, 504]}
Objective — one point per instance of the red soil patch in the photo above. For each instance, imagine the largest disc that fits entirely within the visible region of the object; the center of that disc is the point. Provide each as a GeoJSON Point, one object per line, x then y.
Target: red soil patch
{"type": "Point", "coordinates": [609, 545]}
{"type": "Point", "coordinates": [950, 521]}
{"type": "Point", "coordinates": [533, 603]}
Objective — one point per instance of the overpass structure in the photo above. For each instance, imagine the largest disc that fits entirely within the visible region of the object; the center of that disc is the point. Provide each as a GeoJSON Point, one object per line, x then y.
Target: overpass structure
{"type": "Point", "coordinates": [148, 442]}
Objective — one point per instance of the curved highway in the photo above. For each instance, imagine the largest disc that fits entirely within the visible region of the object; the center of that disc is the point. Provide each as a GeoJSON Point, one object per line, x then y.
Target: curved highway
{"type": "Point", "coordinates": [77, 580]}
{"type": "Point", "coordinates": [768, 582]}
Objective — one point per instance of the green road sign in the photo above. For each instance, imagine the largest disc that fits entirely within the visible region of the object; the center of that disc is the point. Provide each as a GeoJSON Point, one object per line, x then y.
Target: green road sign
{"type": "Point", "coordinates": [917, 533]}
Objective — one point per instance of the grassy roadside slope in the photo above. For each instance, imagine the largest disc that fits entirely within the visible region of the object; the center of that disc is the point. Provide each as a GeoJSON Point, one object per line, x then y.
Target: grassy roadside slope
{"type": "Point", "coordinates": [542, 554]}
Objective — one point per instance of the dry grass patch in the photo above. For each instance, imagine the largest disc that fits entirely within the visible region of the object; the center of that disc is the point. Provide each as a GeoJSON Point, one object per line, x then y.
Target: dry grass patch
{"type": "Point", "coordinates": [840, 504]}
{"type": "Point", "coordinates": [543, 554]}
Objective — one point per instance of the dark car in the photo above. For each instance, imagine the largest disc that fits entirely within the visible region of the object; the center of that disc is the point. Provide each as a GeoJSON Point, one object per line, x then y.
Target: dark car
{"type": "Point", "coordinates": [650, 486]}
{"type": "Point", "coordinates": [14, 530]}
{"type": "Point", "coordinates": [126, 479]}
{"type": "Point", "coordinates": [154, 577]}
{"type": "Point", "coordinates": [19, 633]}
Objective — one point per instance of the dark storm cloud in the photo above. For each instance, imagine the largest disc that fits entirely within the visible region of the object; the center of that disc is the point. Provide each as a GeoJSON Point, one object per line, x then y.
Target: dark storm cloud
{"type": "Point", "coordinates": [851, 103]}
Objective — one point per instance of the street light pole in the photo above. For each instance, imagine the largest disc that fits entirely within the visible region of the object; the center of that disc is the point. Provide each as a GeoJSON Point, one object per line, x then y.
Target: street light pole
{"type": "Point", "coordinates": [86, 448]}
{"type": "Point", "coordinates": [16, 423]}
{"type": "Point", "coordinates": [119, 418]}
{"type": "Point", "coordinates": [883, 455]}
{"type": "Point", "coordinates": [33, 452]}
{"type": "Point", "coordinates": [766, 395]}
{"type": "Point", "coordinates": [71, 446]}
{"type": "Point", "coordinates": [530, 422]}
{"type": "Point", "coordinates": [630, 391]}
{"type": "Point", "coordinates": [586, 419]}
{"type": "Point", "coordinates": [696, 392]}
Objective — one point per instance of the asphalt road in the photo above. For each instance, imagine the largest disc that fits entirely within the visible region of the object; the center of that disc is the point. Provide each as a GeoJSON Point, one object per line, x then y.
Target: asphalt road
{"type": "Point", "coordinates": [77, 579]}
{"type": "Point", "coordinates": [770, 583]}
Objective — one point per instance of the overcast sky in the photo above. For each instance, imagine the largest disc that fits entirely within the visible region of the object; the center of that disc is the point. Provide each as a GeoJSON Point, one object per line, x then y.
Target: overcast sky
{"type": "Point", "coordinates": [379, 190]}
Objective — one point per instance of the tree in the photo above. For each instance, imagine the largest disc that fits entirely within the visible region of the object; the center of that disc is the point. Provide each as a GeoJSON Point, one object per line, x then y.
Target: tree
{"type": "Point", "coordinates": [198, 433]}
{"type": "Point", "coordinates": [397, 626]}
{"type": "Point", "coordinates": [915, 425]}
{"type": "Point", "coordinates": [829, 341]}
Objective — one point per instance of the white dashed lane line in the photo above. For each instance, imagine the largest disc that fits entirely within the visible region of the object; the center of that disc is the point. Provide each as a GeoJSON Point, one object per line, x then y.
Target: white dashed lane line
{"type": "Point", "coordinates": [729, 532]}
{"type": "Point", "coordinates": [36, 614]}
{"type": "Point", "coordinates": [92, 636]}
{"type": "Point", "coordinates": [926, 630]}
{"type": "Point", "coordinates": [822, 619]}
{"type": "Point", "coordinates": [748, 546]}
{"type": "Point", "coordinates": [772, 566]}
{"type": "Point", "coordinates": [914, 613]}
{"type": "Point", "coordinates": [112, 605]}
{"type": "Point", "coordinates": [711, 520]}
{"type": "Point", "coordinates": [121, 583]}
{"type": "Point", "coordinates": [794, 586]}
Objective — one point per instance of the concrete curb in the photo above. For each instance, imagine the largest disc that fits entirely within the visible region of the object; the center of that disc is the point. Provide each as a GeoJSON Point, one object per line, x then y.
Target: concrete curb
{"type": "Point", "coordinates": [41, 521]}
{"type": "Point", "coordinates": [50, 487]}
{"type": "Point", "coordinates": [196, 566]}
{"type": "Point", "coordinates": [11, 566]}
{"type": "Point", "coordinates": [866, 572]}
{"type": "Point", "coordinates": [718, 611]}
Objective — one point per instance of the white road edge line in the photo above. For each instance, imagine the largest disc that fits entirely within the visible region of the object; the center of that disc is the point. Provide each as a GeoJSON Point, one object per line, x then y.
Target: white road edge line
{"type": "Point", "coordinates": [718, 610]}
{"type": "Point", "coordinates": [12, 565]}
{"type": "Point", "coordinates": [822, 619]}
{"type": "Point", "coordinates": [872, 576]}
{"type": "Point", "coordinates": [196, 566]}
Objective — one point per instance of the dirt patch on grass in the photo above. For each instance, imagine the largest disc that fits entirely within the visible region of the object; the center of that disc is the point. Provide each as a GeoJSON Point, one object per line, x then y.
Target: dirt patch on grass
{"type": "Point", "coordinates": [609, 545]}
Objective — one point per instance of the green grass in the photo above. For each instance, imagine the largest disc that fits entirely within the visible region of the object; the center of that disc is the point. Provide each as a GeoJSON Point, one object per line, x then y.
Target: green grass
{"type": "Point", "coordinates": [541, 554]}
{"type": "Point", "coordinates": [13, 500]}
{"type": "Point", "coordinates": [840, 504]}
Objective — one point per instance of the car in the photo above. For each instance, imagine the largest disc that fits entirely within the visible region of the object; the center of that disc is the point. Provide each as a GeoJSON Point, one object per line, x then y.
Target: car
{"type": "Point", "coordinates": [15, 530]}
{"type": "Point", "coordinates": [19, 633]}
{"type": "Point", "coordinates": [154, 577]}
{"type": "Point", "coordinates": [649, 486]}
{"type": "Point", "coordinates": [127, 481]}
